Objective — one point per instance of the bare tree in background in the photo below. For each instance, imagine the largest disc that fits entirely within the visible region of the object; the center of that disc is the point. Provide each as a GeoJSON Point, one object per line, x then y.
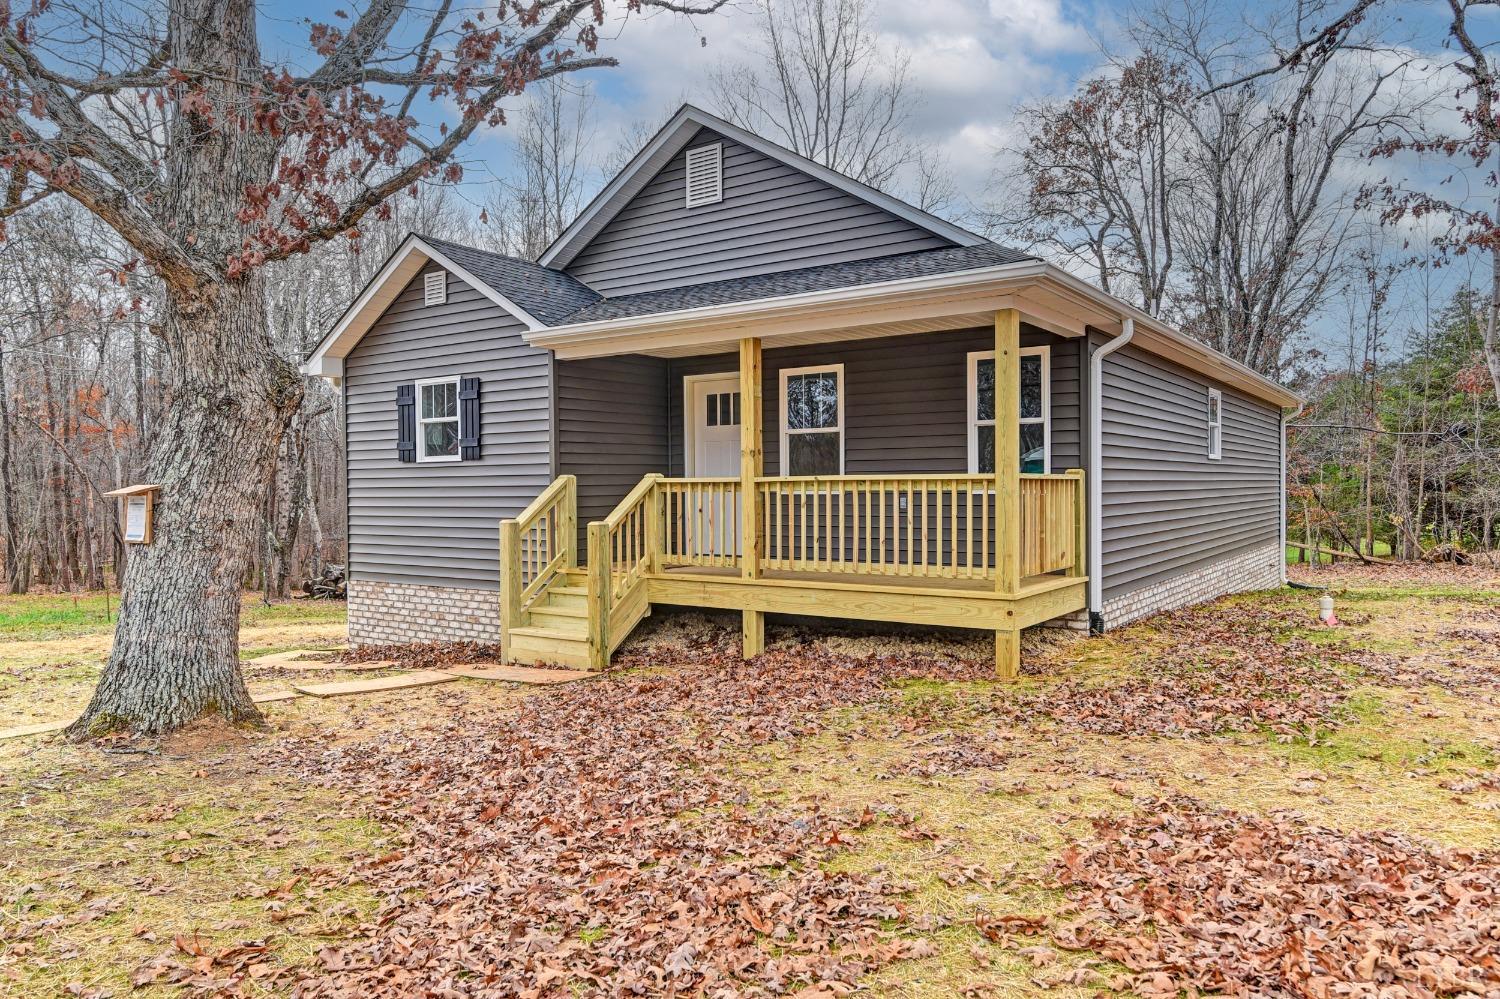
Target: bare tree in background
{"type": "Point", "coordinates": [553, 171]}
{"type": "Point", "coordinates": [1100, 177]}
{"type": "Point", "coordinates": [164, 121]}
{"type": "Point", "coordinates": [1207, 191]}
{"type": "Point", "coordinates": [827, 90]}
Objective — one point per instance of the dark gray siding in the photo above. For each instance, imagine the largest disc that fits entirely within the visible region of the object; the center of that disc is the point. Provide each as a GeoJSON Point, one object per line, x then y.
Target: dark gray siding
{"type": "Point", "coordinates": [612, 428]}
{"type": "Point", "coordinates": [904, 399]}
{"type": "Point", "coordinates": [773, 218]}
{"type": "Point", "coordinates": [437, 523]}
{"type": "Point", "coordinates": [1168, 508]}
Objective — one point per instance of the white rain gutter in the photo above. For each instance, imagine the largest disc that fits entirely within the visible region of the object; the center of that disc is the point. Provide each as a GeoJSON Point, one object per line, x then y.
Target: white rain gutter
{"type": "Point", "coordinates": [1096, 457]}
{"type": "Point", "coordinates": [1285, 419]}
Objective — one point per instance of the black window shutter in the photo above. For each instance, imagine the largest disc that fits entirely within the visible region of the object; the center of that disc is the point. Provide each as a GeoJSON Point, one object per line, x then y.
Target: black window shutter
{"type": "Point", "coordinates": [406, 422]}
{"type": "Point", "coordinates": [468, 419]}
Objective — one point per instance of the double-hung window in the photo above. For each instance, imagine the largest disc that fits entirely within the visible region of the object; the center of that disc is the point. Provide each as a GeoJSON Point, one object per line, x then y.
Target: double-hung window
{"type": "Point", "coordinates": [1035, 414]}
{"type": "Point", "coordinates": [437, 420]}
{"type": "Point", "coordinates": [1215, 424]}
{"type": "Point", "coordinates": [812, 420]}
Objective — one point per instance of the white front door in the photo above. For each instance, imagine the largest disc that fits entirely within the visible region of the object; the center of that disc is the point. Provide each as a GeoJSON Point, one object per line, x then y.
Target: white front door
{"type": "Point", "coordinates": [713, 420]}
{"type": "Point", "coordinates": [714, 403]}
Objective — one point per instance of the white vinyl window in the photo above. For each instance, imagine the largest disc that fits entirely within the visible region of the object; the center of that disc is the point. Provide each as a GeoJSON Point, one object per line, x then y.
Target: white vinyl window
{"type": "Point", "coordinates": [812, 420]}
{"type": "Point", "coordinates": [435, 288]}
{"type": "Point", "coordinates": [1035, 416]}
{"type": "Point", "coordinates": [1215, 424]}
{"type": "Point", "coordinates": [705, 175]}
{"type": "Point", "coordinates": [437, 420]}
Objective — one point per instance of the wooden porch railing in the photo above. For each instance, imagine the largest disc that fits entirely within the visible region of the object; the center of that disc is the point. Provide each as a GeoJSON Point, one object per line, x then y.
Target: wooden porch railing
{"type": "Point", "coordinates": [925, 527]}
{"type": "Point", "coordinates": [1052, 524]}
{"type": "Point", "coordinates": [535, 546]}
{"type": "Point", "coordinates": [623, 548]}
{"type": "Point", "coordinates": [701, 522]}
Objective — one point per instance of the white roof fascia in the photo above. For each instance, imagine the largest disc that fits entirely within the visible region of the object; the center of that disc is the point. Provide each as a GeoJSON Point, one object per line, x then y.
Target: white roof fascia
{"type": "Point", "coordinates": [673, 136]}
{"type": "Point", "coordinates": [639, 333]}
{"type": "Point", "coordinates": [327, 359]}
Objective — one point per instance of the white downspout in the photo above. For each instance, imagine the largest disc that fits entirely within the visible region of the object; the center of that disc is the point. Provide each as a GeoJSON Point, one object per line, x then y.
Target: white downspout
{"type": "Point", "coordinates": [1096, 458]}
{"type": "Point", "coordinates": [1285, 419]}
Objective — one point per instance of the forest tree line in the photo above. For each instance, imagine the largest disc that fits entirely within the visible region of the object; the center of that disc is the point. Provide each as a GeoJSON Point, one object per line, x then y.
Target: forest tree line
{"type": "Point", "coordinates": [1197, 178]}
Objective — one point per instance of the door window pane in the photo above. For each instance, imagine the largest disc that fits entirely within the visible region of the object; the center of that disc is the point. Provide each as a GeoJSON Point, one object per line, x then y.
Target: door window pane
{"type": "Point", "coordinates": [813, 454]}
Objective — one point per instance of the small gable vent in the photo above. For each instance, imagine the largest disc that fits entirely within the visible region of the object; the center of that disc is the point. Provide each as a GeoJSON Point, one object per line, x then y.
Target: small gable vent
{"type": "Point", "coordinates": [435, 288]}
{"type": "Point", "coordinates": [705, 175]}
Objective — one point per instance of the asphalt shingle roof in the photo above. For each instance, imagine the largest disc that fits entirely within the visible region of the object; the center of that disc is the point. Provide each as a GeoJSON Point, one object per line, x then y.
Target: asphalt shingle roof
{"type": "Point", "coordinates": [549, 295]}
{"type": "Point", "coordinates": [825, 277]}
{"type": "Point", "coordinates": [557, 298]}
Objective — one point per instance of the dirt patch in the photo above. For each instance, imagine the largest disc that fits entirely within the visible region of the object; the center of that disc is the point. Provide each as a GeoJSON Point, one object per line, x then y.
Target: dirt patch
{"type": "Point", "coordinates": [1190, 898]}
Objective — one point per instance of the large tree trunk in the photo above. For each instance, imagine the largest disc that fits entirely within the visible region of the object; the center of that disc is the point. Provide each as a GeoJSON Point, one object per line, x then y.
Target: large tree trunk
{"type": "Point", "coordinates": [229, 397]}
{"type": "Point", "coordinates": [175, 657]}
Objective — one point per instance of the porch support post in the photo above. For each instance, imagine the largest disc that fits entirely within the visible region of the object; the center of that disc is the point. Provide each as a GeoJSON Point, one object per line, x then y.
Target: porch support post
{"type": "Point", "coordinates": [752, 466]}
{"type": "Point", "coordinates": [1007, 479]}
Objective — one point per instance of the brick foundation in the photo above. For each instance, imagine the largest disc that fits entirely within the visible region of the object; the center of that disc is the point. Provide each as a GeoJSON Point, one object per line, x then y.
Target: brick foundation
{"type": "Point", "coordinates": [1259, 569]}
{"type": "Point", "coordinates": [1076, 621]}
{"type": "Point", "coordinates": [385, 613]}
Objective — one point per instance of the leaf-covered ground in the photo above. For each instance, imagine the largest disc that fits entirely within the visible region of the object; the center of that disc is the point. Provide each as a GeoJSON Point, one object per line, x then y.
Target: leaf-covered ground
{"type": "Point", "coordinates": [1229, 799]}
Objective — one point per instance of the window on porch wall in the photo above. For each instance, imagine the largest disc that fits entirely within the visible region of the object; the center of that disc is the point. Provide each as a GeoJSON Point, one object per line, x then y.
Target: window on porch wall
{"type": "Point", "coordinates": [812, 420]}
{"type": "Point", "coordinates": [1035, 417]}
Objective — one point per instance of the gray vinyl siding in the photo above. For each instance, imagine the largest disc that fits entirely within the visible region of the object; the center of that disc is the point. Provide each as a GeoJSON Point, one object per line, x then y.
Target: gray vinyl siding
{"type": "Point", "coordinates": [1167, 507]}
{"type": "Point", "coordinates": [437, 523]}
{"type": "Point", "coordinates": [904, 399]}
{"type": "Point", "coordinates": [612, 428]}
{"type": "Point", "coordinates": [773, 217]}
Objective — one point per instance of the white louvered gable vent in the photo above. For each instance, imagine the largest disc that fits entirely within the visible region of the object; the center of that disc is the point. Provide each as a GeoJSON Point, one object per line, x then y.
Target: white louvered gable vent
{"type": "Point", "coordinates": [435, 288]}
{"type": "Point", "coordinates": [705, 175]}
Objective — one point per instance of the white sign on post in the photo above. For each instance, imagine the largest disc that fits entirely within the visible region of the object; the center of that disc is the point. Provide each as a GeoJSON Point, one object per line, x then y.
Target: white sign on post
{"type": "Point", "coordinates": [136, 511]}
{"type": "Point", "coordinates": [135, 518]}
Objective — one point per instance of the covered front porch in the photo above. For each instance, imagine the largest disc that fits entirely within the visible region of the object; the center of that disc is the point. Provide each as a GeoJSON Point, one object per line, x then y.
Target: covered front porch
{"type": "Point", "coordinates": [991, 547]}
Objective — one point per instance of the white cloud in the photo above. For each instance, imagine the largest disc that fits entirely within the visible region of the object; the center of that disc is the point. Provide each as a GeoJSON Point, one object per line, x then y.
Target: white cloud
{"type": "Point", "coordinates": [1038, 24]}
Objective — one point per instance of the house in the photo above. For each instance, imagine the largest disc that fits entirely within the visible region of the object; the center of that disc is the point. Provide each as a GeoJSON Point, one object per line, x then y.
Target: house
{"type": "Point", "coordinates": [741, 380]}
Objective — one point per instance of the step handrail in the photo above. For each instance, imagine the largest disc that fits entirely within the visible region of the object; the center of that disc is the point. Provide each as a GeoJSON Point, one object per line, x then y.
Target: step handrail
{"type": "Point", "coordinates": [623, 548]}
{"type": "Point", "coordinates": [535, 547]}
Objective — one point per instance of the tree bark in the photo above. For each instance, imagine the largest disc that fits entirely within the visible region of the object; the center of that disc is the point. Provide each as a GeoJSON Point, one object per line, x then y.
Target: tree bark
{"type": "Point", "coordinates": [175, 657]}
{"type": "Point", "coordinates": [229, 398]}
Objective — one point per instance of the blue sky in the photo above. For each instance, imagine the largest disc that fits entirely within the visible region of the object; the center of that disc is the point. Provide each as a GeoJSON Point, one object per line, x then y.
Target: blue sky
{"type": "Point", "coordinates": [974, 63]}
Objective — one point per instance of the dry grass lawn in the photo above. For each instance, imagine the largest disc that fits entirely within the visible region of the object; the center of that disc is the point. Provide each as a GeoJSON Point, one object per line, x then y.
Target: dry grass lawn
{"type": "Point", "coordinates": [117, 855]}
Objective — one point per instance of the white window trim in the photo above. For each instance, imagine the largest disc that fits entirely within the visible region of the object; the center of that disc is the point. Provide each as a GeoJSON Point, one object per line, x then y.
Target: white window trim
{"type": "Point", "coordinates": [458, 417]}
{"type": "Point", "coordinates": [717, 148]}
{"type": "Point", "coordinates": [786, 433]}
{"type": "Point", "coordinates": [435, 292]}
{"type": "Point", "coordinates": [1215, 405]}
{"type": "Point", "coordinates": [972, 404]}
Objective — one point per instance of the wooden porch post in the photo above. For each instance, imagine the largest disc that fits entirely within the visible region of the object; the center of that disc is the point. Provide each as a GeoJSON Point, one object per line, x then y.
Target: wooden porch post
{"type": "Point", "coordinates": [752, 466]}
{"type": "Point", "coordinates": [1007, 481]}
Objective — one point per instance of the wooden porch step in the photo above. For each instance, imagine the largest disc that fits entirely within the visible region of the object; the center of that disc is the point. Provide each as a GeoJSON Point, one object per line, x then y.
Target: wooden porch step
{"type": "Point", "coordinates": [566, 596]}
{"type": "Point", "coordinates": [572, 620]}
{"type": "Point", "coordinates": [549, 645]}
